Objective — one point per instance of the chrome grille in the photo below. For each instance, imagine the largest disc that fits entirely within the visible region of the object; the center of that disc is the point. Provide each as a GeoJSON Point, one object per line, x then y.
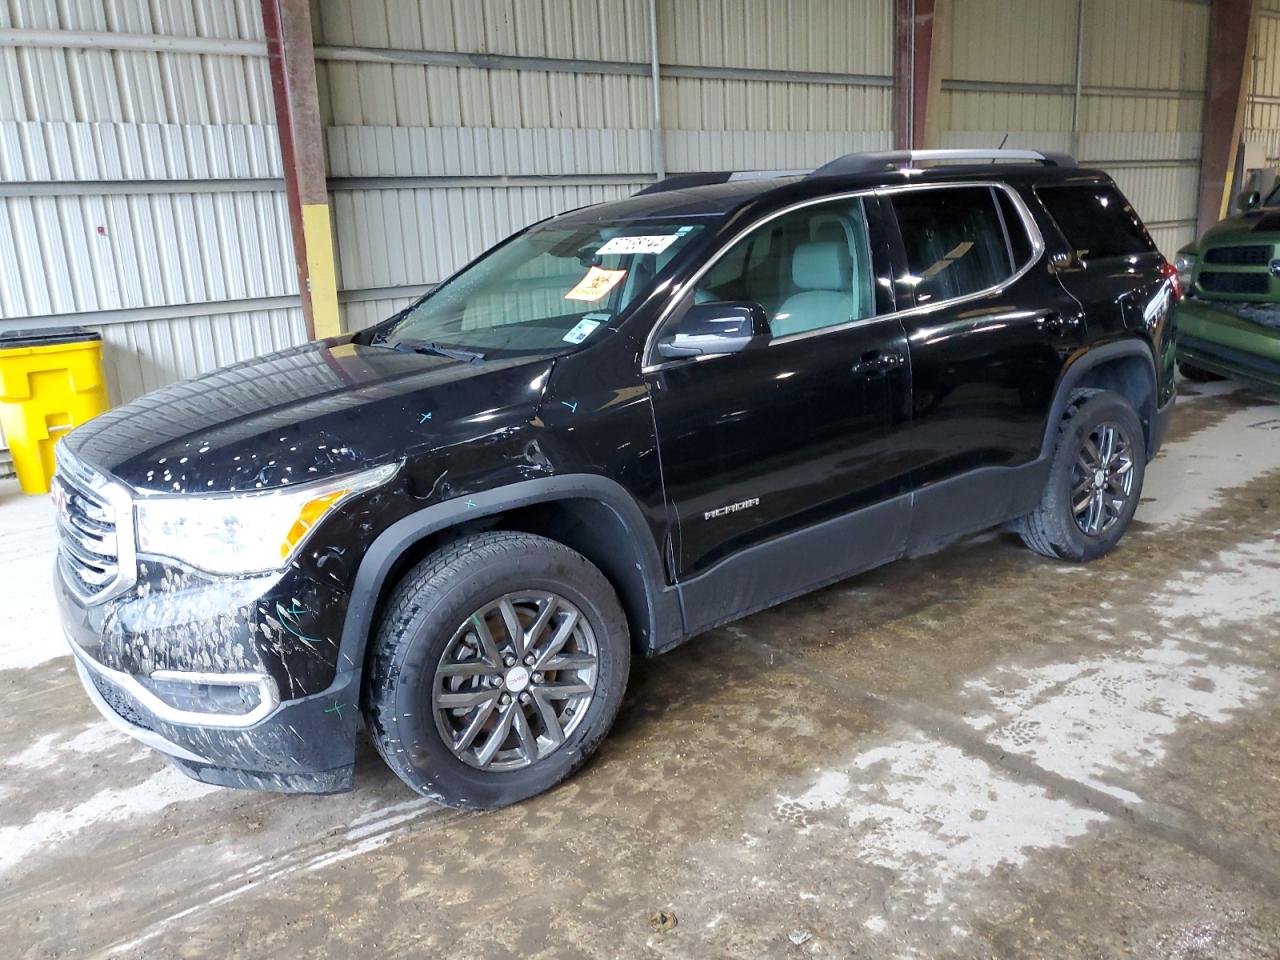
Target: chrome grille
{"type": "Point", "coordinates": [95, 537]}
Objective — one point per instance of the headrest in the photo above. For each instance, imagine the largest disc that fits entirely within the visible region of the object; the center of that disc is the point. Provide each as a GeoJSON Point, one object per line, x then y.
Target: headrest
{"type": "Point", "coordinates": [820, 266]}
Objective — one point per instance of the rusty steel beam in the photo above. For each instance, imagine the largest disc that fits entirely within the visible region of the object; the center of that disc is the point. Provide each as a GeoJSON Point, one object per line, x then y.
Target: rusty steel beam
{"type": "Point", "coordinates": [921, 26]}
{"type": "Point", "coordinates": [291, 58]}
{"type": "Point", "coordinates": [1231, 25]}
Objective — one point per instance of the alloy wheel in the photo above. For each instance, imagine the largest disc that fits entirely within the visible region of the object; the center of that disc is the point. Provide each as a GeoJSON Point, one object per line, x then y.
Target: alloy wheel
{"type": "Point", "coordinates": [515, 680]}
{"type": "Point", "coordinates": [1102, 479]}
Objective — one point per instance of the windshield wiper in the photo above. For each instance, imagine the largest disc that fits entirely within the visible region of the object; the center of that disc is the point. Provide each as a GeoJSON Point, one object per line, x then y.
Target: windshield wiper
{"type": "Point", "coordinates": [430, 346]}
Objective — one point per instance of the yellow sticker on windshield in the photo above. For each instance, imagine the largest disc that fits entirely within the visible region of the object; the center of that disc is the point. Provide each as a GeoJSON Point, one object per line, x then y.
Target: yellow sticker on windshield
{"type": "Point", "coordinates": [596, 284]}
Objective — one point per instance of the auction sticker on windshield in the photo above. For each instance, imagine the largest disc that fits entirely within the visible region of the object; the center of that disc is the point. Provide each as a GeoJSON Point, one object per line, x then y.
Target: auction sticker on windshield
{"type": "Point", "coordinates": [585, 327]}
{"type": "Point", "coordinates": [595, 284]}
{"type": "Point", "coordinates": [638, 244]}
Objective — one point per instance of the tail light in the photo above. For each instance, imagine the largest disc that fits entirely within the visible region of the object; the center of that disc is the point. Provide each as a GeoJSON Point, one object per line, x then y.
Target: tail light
{"type": "Point", "coordinates": [1170, 273]}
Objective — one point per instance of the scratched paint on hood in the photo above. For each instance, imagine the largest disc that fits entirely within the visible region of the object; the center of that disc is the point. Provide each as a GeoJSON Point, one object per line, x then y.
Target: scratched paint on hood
{"type": "Point", "coordinates": [307, 413]}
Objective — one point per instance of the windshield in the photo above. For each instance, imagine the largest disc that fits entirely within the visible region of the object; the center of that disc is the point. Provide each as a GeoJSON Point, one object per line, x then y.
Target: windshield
{"type": "Point", "coordinates": [550, 288]}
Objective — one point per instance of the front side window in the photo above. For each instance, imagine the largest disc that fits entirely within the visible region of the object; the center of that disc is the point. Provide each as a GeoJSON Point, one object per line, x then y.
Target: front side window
{"type": "Point", "coordinates": [548, 289]}
{"type": "Point", "coordinates": [808, 269]}
{"type": "Point", "coordinates": [1097, 221]}
{"type": "Point", "coordinates": [957, 241]}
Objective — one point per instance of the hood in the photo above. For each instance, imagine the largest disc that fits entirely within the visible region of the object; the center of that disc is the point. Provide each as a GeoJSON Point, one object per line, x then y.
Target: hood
{"type": "Point", "coordinates": [310, 412]}
{"type": "Point", "coordinates": [1244, 227]}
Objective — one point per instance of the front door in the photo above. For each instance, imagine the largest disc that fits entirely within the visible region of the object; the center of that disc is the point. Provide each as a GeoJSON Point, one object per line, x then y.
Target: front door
{"type": "Point", "coordinates": [769, 445]}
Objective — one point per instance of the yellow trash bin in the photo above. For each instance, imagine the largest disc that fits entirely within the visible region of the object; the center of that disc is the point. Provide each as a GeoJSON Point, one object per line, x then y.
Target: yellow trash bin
{"type": "Point", "coordinates": [50, 381]}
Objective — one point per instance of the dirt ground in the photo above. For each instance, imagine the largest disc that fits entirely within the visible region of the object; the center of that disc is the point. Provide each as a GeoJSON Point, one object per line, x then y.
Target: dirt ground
{"type": "Point", "coordinates": [976, 754]}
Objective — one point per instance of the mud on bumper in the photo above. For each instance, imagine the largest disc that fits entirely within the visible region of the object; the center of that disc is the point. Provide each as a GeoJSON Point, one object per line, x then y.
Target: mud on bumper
{"type": "Point", "coordinates": [301, 746]}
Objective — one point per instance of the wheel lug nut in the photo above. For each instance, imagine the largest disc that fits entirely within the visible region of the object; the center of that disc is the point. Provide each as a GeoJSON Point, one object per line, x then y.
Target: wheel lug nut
{"type": "Point", "coordinates": [524, 698]}
{"type": "Point", "coordinates": [510, 661]}
{"type": "Point", "coordinates": [529, 660]}
{"type": "Point", "coordinates": [506, 698]}
{"type": "Point", "coordinates": [537, 678]}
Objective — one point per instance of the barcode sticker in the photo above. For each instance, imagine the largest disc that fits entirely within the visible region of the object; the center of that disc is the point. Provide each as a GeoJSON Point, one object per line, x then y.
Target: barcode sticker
{"type": "Point", "coordinates": [638, 244]}
{"type": "Point", "coordinates": [583, 329]}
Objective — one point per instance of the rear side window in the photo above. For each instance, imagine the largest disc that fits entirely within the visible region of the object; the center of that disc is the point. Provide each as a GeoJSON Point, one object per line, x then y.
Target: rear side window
{"type": "Point", "coordinates": [1096, 220]}
{"type": "Point", "coordinates": [957, 241]}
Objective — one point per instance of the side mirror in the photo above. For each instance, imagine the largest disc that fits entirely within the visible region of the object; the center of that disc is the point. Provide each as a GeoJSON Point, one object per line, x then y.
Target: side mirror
{"type": "Point", "coordinates": [1247, 201]}
{"type": "Point", "coordinates": [712, 328]}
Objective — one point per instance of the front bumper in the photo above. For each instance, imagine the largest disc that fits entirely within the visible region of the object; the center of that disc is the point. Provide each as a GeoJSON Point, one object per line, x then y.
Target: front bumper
{"type": "Point", "coordinates": [1216, 339]}
{"type": "Point", "coordinates": [301, 746]}
{"type": "Point", "coordinates": [305, 744]}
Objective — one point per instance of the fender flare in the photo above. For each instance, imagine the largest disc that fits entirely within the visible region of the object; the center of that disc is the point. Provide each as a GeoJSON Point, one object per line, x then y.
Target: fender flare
{"type": "Point", "coordinates": [662, 606]}
{"type": "Point", "coordinates": [1085, 363]}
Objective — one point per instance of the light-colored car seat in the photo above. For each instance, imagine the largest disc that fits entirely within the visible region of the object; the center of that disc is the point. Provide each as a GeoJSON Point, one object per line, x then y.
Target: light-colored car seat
{"type": "Point", "coordinates": [822, 274]}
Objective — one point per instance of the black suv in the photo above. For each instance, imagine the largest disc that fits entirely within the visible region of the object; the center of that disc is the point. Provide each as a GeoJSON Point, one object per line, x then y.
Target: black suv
{"type": "Point", "coordinates": [617, 429]}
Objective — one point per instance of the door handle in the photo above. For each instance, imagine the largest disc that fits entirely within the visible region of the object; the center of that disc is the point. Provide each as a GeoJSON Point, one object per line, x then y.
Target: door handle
{"type": "Point", "coordinates": [874, 362]}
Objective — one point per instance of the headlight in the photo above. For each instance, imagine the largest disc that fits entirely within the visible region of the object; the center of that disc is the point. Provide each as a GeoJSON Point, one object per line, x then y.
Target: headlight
{"type": "Point", "coordinates": [244, 533]}
{"type": "Point", "coordinates": [1186, 264]}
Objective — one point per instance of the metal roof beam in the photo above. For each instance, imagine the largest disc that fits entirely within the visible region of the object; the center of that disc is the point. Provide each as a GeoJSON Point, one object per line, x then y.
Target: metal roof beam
{"type": "Point", "coordinates": [158, 43]}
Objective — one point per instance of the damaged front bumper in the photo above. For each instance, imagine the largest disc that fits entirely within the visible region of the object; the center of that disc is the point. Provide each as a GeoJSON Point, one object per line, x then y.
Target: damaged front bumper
{"type": "Point", "coordinates": [227, 728]}
{"type": "Point", "coordinates": [299, 746]}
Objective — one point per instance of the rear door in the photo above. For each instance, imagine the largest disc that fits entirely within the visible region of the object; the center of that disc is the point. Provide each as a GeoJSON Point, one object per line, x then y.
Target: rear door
{"type": "Point", "coordinates": [989, 332]}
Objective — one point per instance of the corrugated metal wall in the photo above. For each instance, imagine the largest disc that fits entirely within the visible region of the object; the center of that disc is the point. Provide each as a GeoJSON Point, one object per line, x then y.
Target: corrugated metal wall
{"type": "Point", "coordinates": [139, 189]}
{"type": "Point", "coordinates": [1011, 71]}
{"type": "Point", "coordinates": [436, 156]}
{"type": "Point", "coordinates": [1262, 115]}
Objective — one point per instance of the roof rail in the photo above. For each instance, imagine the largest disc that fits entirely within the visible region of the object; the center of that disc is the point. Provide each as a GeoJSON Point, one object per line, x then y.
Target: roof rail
{"type": "Point", "coordinates": [852, 163]}
{"type": "Point", "coordinates": [681, 180]}
{"type": "Point", "coordinates": [877, 162]}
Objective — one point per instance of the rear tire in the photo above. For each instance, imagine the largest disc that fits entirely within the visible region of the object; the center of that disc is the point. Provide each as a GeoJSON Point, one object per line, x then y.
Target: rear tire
{"type": "Point", "coordinates": [1198, 374]}
{"type": "Point", "coordinates": [1095, 480]}
{"type": "Point", "coordinates": [474, 713]}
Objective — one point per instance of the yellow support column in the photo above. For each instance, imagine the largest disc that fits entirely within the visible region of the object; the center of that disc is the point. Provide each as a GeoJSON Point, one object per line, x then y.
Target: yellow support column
{"type": "Point", "coordinates": [317, 231]}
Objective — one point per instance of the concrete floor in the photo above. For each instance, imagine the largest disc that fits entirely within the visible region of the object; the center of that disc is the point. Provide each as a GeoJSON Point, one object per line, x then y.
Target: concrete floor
{"type": "Point", "coordinates": [976, 754]}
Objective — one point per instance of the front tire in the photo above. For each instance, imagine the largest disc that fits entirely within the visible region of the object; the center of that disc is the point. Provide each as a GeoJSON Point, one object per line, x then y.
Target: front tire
{"type": "Point", "coordinates": [1095, 480]}
{"type": "Point", "coordinates": [498, 667]}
